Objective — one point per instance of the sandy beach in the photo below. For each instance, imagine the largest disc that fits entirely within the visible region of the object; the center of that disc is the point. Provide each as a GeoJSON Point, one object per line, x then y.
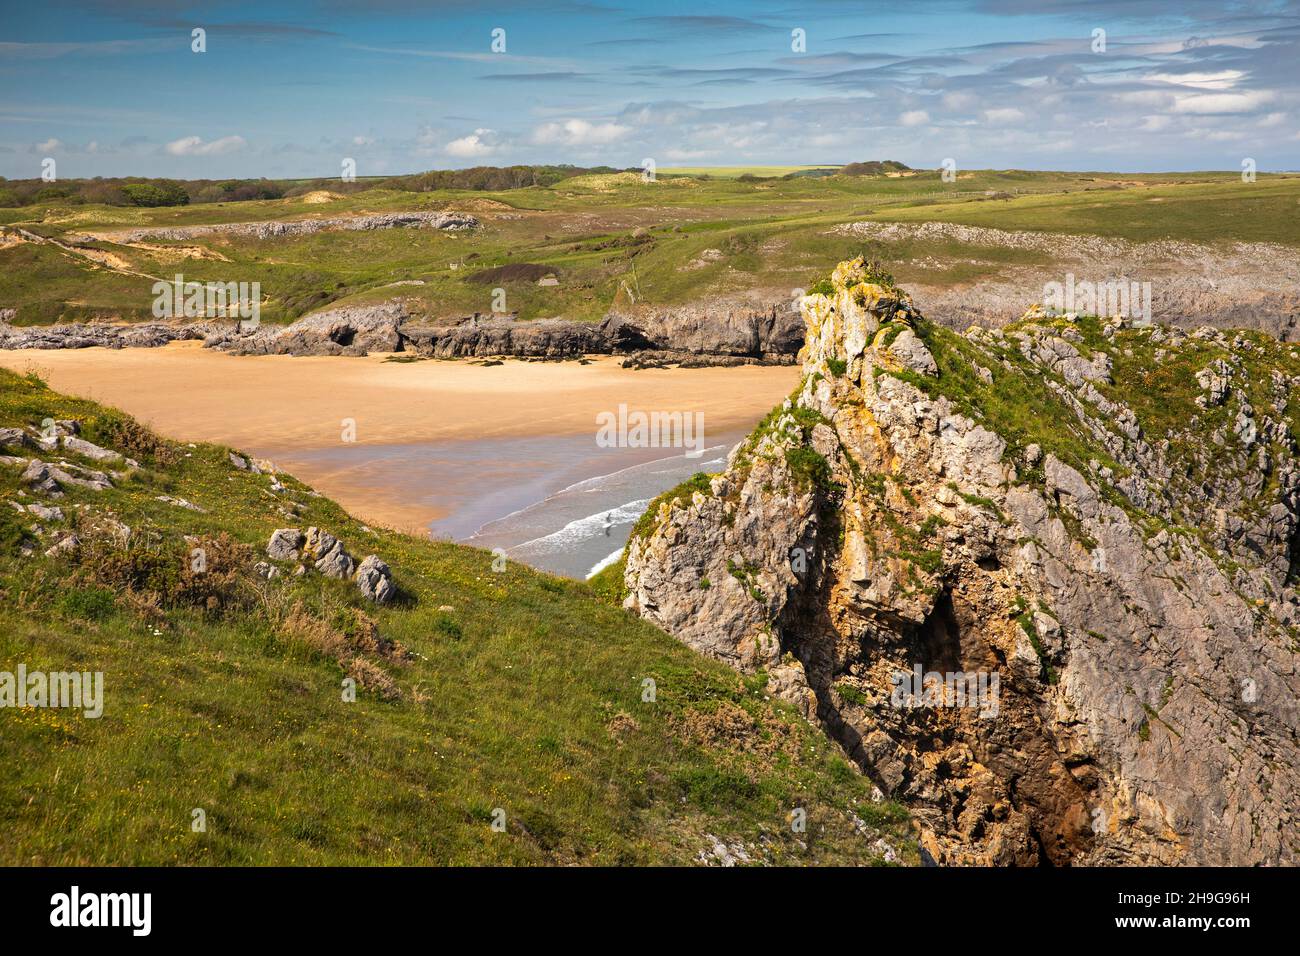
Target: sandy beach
{"type": "Point", "coordinates": [296, 411]}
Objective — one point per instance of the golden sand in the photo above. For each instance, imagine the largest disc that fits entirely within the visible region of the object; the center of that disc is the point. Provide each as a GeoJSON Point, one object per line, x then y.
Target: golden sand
{"type": "Point", "coordinates": [276, 403]}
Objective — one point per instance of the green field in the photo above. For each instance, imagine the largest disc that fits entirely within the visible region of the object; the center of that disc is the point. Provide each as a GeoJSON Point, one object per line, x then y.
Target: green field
{"type": "Point", "coordinates": [735, 172]}
{"type": "Point", "coordinates": [614, 241]}
{"type": "Point", "coordinates": [511, 691]}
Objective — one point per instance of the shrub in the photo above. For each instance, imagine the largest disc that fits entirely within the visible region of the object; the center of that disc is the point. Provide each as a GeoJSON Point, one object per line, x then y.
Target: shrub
{"type": "Point", "coordinates": [159, 193]}
{"type": "Point", "coordinates": [808, 468]}
{"type": "Point", "coordinates": [851, 694]}
{"type": "Point", "coordinates": [138, 441]}
{"type": "Point", "coordinates": [87, 604]}
{"type": "Point", "coordinates": [444, 625]}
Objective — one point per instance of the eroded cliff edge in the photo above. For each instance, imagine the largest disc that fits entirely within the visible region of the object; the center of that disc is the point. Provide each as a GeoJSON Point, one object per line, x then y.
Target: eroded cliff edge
{"type": "Point", "coordinates": [1105, 517]}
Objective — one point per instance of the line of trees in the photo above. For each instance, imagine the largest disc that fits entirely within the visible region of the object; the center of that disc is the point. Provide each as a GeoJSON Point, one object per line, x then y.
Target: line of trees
{"type": "Point", "coordinates": [140, 191]}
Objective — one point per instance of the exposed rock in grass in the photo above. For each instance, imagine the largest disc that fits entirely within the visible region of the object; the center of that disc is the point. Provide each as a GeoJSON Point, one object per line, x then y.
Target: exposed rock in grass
{"type": "Point", "coordinates": [285, 544]}
{"type": "Point", "coordinates": [304, 227]}
{"type": "Point", "coordinates": [375, 580]}
{"type": "Point", "coordinates": [326, 553]}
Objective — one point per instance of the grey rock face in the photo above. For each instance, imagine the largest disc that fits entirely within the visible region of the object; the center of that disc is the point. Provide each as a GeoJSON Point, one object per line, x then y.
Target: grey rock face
{"type": "Point", "coordinates": [319, 549]}
{"type": "Point", "coordinates": [773, 332]}
{"type": "Point", "coordinates": [484, 337]}
{"type": "Point", "coordinates": [328, 554]}
{"type": "Point", "coordinates": [46, 477]}
{"type": "Point", "coordinates": [1127, 577]}
{"type": "Point", "coordinates": [16, 438]}
{"type": "Point", "coordinates": [346, 331]}
{"type": "Point", "coordinates": [285, 544]}
{"type": "Point", "coordinates": [375, 580]}
{"type": "Point", "coordinates": [96, 335]}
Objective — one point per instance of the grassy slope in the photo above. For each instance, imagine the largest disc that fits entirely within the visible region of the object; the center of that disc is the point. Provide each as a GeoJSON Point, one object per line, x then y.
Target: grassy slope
{"type": "Point", "coordinates": [773, 235]}
{"type": "Point", "coordinates": [512, 700]}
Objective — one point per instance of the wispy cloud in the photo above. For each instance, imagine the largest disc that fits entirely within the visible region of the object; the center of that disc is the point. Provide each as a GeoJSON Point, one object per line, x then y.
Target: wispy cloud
{"type": "Point", "coordinates": [196, 146]}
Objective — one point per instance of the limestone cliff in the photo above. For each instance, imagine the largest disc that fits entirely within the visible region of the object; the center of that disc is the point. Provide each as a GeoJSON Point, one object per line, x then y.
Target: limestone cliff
{"type": "Point", "coordinates": [1097, 521]}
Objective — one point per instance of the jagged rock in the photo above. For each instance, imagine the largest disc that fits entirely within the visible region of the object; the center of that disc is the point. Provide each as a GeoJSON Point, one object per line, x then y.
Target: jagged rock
{"type": "Point", "coordinates": [375, 580]}
{"type": "Point", "coordinates": [285, 544]}
{"type": "Point", "coordinates": [346, 331]}
{"type": "Point", "coordinates": [68, 543]}
{"type": "Point", "coordinates": [912, 352]}
{"type": "Point", "coordinates": [48, 478]}
{"type": "Point", "coordinates": [88, 449]}
{"type": "Point", "coordinates": [239, 461]}
{"type": "Point", "coordinates": [16, 438]}
{"type": "Point", "coordinates": [328, 554]}
{"type": "Point", "coordinates": [40, 477]}
{"type": "Point", "coordinates": [99, 335]}
{"type": "Point", "coordinates": [46, 513]}
{"type": "Point", "coordinates": [1140, 620]}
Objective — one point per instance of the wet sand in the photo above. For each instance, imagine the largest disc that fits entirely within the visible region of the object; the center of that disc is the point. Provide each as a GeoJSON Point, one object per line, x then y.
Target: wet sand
{"type": "Point", "coordinates": [295, 412]}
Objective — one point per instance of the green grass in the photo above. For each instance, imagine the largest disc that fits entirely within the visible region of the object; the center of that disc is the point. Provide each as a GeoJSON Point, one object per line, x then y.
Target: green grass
{"type": "Point", "coordinates": [735, 172]}
{"type": "Point", "coordinates": [614, 241]}
{"type": "Point", "coordinates": [528, 695]}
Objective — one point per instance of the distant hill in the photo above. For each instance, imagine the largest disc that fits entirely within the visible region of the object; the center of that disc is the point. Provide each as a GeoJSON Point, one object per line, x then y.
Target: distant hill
{"type": "Point", "coordinates": [874, 167]}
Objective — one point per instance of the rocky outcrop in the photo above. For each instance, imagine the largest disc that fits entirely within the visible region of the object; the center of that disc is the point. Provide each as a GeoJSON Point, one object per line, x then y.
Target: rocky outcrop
{"type": "Point", "coordinates": [300, 227]}
{"type": "Point", "coordinates": [317, 548]}
{"type": "Point", "coordinates": [773, 333]}
{"type": "Point", "coordinates": [146, 335]}
{"type": "Point", "coordinates": [347, 331]}
{"type": "Point", "coordinates": [692, 337]}
{"type": "Point", "coordinates": [1037, 582]}
{"type": "Point", "coordinates": [491, 336]}
{"type": "Point", "coordinates": [725, 335]}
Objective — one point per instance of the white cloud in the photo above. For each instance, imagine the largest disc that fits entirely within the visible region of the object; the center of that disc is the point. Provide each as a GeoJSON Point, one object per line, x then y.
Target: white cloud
{"type": "Point", "coordinates": [49, 146]}
{"type": "Point", "coordinates": [959, 101]}
{"type": "Point", "coordinates": [475, 144]}
{"type": "Point", "coordinates": [1224, 80]}
{"type": "Point", "coordinates": [363, 141]}
{"type": "Point", "coordinates": [579, 132]}
{"type": "Point", "coordinates": [1156, 98]}
{"type": "Point", "coordinates": [1003, 115]}
{"type": "Point", "coordinates": [914, 118]}
{"type": "Point", "coordinates": [1222, 102]}
{"type": "Point", "coordinates": [195, 146]}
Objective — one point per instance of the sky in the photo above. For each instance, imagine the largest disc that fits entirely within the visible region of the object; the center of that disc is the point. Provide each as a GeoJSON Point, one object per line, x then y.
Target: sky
{"type": "Point", "coordinates": [295, 89]}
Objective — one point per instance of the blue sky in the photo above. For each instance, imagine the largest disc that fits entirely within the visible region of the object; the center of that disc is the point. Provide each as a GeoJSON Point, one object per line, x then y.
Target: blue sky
{"type": "Point", "coordinates": [111, 87]}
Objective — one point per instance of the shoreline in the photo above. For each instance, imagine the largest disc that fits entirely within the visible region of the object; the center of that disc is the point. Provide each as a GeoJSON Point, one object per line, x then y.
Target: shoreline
{"type": "Point", "coordinates": [300, 411]}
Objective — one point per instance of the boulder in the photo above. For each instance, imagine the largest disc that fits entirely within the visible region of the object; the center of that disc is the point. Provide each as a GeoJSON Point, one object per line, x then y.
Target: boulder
{"type": "Point", "coordinates": [375, 580]}
{"type": "Point", "coordinates": [285, 544]}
